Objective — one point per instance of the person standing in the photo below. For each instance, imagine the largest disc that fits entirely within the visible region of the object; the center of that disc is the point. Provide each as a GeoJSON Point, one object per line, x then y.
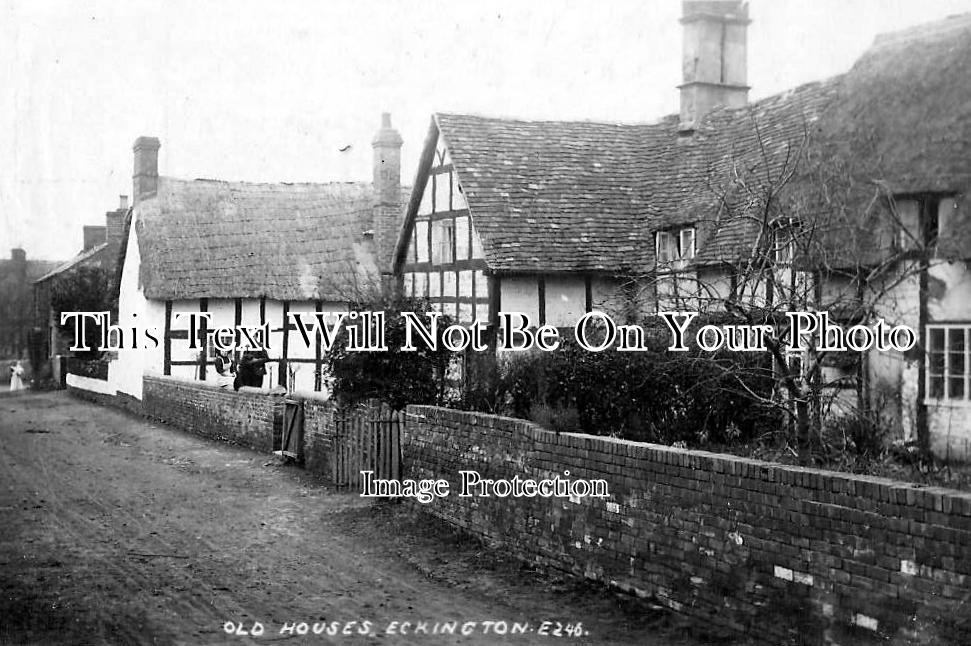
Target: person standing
{"type": "Point", "coordinates": [251, 369]}
{"type": "Point", "coordinates": [16, 376]}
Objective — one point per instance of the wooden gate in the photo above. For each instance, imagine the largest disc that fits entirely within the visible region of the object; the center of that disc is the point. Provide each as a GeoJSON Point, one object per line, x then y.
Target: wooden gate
{"type": "Point", "coordinates": [291, 438]}
{"type": "Point", "coordinates": [367, 441]}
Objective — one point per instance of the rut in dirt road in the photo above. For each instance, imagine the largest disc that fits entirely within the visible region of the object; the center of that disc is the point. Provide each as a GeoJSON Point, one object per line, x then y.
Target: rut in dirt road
{"type": "Point", "coordinates": [120, 531]}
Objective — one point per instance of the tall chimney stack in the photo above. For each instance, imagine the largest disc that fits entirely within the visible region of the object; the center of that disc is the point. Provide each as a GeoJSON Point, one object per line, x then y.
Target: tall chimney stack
{"type": "Point", "coordinates": [714, 58]}
{"type": "Point", "coordinates": [145, 176]}
{"type": "Point", "coordinates": [387, 163]}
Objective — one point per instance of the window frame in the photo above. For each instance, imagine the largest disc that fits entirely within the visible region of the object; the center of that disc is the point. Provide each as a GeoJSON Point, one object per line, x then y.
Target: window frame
{"type": "Point", "coordinates": [945, 378]}
{"type": "Point", "coordinates": [676, 236]}
{"type": "Point", "coordinates": [443, 247]}
{"type": "Point", "coordinates": [790, 227]}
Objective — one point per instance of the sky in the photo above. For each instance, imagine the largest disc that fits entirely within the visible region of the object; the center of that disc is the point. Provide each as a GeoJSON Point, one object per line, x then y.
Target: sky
{"type": "Point", "coordinates": [271, 91]}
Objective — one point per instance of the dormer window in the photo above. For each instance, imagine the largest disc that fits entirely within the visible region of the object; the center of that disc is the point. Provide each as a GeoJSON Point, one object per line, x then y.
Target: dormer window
{"type": "Point", "coordinates": [784, 232]}
{"type": "Point", "coordinates": [675, 247]}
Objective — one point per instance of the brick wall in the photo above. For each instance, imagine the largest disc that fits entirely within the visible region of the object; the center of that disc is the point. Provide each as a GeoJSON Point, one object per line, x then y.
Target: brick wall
{"type": "Point", "coordinates": [249, 417]}
{"type": "Point", "coordinates": [786, 555]}
{"type": "Point", "coordinates": [318, 432]}
{"type": "Point", "coordinates": [118, 400]}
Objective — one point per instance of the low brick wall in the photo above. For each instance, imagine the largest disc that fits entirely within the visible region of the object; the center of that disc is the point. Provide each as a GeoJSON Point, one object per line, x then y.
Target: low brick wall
{"type": "Point", "coordinates": [785, 555]}
{"type": "Point", "coordinates": [249, 417]}
{"type": "Point", "coordinates": [118, 400]}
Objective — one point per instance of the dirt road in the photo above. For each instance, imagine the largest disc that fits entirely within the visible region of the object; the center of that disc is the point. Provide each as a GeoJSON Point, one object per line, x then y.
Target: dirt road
{"type": "Point", "coordinates": [115, 530]}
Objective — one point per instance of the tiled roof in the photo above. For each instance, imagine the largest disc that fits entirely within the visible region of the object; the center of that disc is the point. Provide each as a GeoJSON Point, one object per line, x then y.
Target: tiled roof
{"type": "Point", "coordinates": [82, 258]}
{"type": "Point", "coordinates": [214, 239]}
{"type": "Point", "coordinates": [580, 196]}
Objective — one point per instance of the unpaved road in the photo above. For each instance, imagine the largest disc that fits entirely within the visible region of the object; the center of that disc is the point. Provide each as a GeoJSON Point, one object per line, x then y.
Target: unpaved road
{"type": "Point", "coordinates": [114, 530]}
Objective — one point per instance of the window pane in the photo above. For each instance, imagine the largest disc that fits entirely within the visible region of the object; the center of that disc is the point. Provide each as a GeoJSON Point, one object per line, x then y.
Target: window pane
{"type": "Point", "coordinates": [666, 247]}
{"type": "Point", "coordinates": [955, 387]}
{"type": "Point", "coordinates": [687, 244]}
{"type": "Point", "coordinates": [955, 340]}
{"type": "Point", "coordinates": [448, 286]}
{"type": "Point", "coordinates": [935, 340]}
{"type": "Point", "coordinates": [935, 387]}
{"type": "Point", "coordinates": [421, 285]}
{"type": "Point", "coordinates": [465, 284]}
{"type": "Point", "coordinates": [955, 364]}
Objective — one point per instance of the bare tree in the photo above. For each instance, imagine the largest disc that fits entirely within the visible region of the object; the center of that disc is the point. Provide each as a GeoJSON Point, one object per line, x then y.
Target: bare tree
{"type": "Point", "coordinates": [822, 233]}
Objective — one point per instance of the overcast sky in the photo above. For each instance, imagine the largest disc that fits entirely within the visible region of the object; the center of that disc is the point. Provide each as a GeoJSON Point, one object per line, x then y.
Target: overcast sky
{"type": "Point", "coordinates": [270, 91]}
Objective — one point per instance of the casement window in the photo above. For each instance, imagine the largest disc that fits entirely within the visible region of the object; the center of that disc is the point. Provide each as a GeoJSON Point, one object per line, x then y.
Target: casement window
{"type": "Point", "coordinates": [675, 246]}
{"type": "Point", "coordinates": [784, 235]}
{"type": "Point", "coordinates": [948, 366]}
{"type": "Point", "coordinates": [443, 241]}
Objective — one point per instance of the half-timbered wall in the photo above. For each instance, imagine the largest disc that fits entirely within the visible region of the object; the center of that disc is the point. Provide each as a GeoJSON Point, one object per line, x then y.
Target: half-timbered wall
{"type": "Point", "coordinates": [294, 365]}
{"type": "Point", "coordinates": [445, 261]}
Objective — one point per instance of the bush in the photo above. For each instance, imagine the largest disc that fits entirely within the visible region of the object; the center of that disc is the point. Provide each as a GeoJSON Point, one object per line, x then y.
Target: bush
{"type": "Point", "coordinates": [92, 368]}
{"type": "Point", "coordinates": [394, 377]}
{"type": "Point", "coordinates": [654, 396]}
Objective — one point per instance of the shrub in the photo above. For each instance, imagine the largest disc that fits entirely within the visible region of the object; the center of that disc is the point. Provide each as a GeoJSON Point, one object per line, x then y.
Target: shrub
{"type": "Point", "coordinates": [393, 376]}
{"type": "Point", "coordinates": [655, 395]}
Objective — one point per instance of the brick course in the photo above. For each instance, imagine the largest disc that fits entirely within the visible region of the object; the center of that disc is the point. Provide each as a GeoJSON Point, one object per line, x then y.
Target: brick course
{"type": "Point", "coordinates": [787, 555]}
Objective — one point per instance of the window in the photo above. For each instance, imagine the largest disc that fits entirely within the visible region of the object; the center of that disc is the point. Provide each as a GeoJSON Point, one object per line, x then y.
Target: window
{"type": "Point", "coordinates": [948, 362]}
{"type": "Point", "coordinates": [784, 234]}
{"type": "Point", "coordinates": [675, 246]}
{"type": "Point", "coordinates": [443, 241]}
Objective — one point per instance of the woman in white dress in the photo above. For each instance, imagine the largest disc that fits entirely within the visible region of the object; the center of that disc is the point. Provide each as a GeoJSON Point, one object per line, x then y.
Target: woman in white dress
{"type": "Point", "coordinates": [16, 376]}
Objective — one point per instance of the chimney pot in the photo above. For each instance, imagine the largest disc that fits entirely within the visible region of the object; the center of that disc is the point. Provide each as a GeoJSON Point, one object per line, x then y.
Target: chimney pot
{"type": "Point", "coordinates": [122, 202]}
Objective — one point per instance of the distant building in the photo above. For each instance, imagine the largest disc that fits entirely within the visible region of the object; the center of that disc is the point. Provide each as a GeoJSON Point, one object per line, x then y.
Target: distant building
{"type": "Point", "coordinates": [102, 244]}
{"type": "Point", "coordinates": [250, 254]}
{"type": "Point", "coordinates": [16, 303]}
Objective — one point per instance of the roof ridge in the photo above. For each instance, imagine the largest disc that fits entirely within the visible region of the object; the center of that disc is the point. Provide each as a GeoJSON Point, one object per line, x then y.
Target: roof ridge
{"type": "Point", "coordinates": [83, 255]}
{"type": "Point", "coordinates": [924, 29]}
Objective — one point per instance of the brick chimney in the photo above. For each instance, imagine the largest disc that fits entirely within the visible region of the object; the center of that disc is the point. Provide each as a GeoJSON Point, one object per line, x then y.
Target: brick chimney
{"type": "Point", "coordinates": [115, 222]}
{"type": "Point", "coordinates": [145, 176]}
{"type": "Point", "coordinates": [714, 58]}
{"type": "Point", "coordinates": [387, 162]}
{"type": "Point", "coordinates": [93, 236]}
{"type": "Point", "coordinates": [387, 192]}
